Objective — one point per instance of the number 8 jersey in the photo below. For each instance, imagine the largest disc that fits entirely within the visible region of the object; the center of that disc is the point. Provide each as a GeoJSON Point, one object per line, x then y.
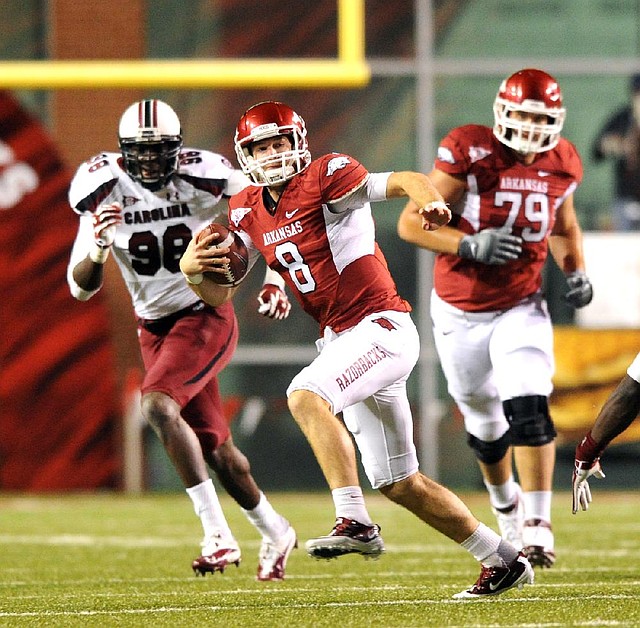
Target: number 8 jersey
{"type": "Point", "coordinates": [156, 226]}
{"type": "Point", "coordinates": [501, 193]}
{"type": "Point", "coordinates": [324, 249]}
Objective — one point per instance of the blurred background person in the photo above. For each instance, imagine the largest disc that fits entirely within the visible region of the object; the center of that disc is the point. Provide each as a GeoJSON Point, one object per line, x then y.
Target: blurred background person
{"type": "Point", "coordinates": [619, 141]}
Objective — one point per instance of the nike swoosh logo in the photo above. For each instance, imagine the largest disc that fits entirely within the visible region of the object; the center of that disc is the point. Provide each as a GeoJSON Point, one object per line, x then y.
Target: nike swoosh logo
{"type": "Point", "coordinates": [291, 214]}
{"type": "Point", "coordinates": [543, 173]}
{"type": "Point", "coordinates": [494, 586]}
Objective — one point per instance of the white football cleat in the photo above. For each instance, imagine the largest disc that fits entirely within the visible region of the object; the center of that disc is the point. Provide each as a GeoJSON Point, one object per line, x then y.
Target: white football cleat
{"type": "Point", "coordinates": [273, 557]}
{"type": "Point", "coordinates": [217, 554]}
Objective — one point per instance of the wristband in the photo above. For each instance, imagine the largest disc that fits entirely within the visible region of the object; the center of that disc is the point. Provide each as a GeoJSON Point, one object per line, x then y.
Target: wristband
{"type": "Point", "coordinates": [99, 254]}
{"type": "Point", "coordinates": [588, 450]}
{"type": "Point", "coordinates": [194, 280]}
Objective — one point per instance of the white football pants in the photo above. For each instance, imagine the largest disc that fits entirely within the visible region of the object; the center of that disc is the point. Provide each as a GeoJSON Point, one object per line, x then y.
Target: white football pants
{"type": "Point", "coordinates": [362, 372]}
{"type": "Point", "coordinates": [489, 357]}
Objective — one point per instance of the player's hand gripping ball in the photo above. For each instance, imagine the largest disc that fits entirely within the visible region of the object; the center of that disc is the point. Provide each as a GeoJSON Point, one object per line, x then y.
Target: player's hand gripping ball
{"type": "Point", "coordinates": [236, 268]}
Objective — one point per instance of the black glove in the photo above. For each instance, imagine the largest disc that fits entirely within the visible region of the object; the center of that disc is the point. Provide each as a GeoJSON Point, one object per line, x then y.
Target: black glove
{"type": "Point", "coordinates": [580, 290]}
{"type": "Point", "coordinates": [491, 246]}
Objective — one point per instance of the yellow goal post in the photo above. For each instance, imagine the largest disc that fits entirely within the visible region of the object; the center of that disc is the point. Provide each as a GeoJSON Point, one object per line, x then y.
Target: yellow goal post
{"type": "Point", "coordinates": [348, 70]}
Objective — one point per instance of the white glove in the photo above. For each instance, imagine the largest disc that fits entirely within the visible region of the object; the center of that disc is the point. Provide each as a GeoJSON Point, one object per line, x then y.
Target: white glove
{"type": "Point", "coordinates": [105, 220]}
{"type": "Point", "coordinates": [582, 471]}
{"type": "Point", "coordinates": [491, 246]}
{"type": "Point", "coordinates": [274, 302]}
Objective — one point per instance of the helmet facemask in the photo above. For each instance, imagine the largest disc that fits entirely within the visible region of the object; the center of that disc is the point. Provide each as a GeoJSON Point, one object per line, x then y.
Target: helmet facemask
{"type": "Point", "coordinates": [150, 141]}
{"type": "Point", "coordinates": [537, 94]}
{"type": "Point", "coordinates": [265, 121]}
{"type": "Point", "coordinates": [150, 163]}
{"type": "Point", "coordinates": [276, 169]}
{"type": "Point", "coordinates": [525, 136]}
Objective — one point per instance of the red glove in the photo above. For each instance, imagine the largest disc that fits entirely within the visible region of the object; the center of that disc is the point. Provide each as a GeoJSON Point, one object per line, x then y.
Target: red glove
{"type": "Point", "coordinates": [273, 302]}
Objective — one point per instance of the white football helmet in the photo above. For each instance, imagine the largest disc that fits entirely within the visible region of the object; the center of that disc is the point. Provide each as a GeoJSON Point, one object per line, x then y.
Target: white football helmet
{"type": "Point", "coordinates": [529, 91]}
{"type": "Point", "coordinates": [150, 139]}
{"type": "Point", "coordinates": [263, 121]}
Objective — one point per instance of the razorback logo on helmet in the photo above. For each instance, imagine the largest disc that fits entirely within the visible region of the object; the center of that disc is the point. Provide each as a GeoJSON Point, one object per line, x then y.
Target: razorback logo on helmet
{"type": "Point", "coordinates": [337, 163]}
{"type": "Point", "coordinates": [236, 215]}
{"type": "Point", "coordinates": [444, 154]}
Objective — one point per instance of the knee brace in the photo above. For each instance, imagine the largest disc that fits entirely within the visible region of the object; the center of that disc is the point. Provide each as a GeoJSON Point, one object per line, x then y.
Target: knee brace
{"type": "Point", "coordinates": [490, 452]}
{"type": "Point", "coordinates": [529, 419]}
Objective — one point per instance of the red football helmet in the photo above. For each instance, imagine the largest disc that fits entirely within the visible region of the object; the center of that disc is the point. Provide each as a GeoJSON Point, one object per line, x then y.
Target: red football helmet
{"type": "Point", "coordinates": [265, 120]}
{"type": "Point", "coordinates": [535, 92]}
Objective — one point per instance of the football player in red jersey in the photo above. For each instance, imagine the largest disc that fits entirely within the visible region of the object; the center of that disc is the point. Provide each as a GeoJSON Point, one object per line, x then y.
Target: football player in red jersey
{"type": "Point", "coordinates": [618, 412]}
{"type": "Point", "coordinates": [143, 205]}
{"type": "Point", "coordinates": [312, 222]}
{"type": "Point", "coordinates": [511, 192]}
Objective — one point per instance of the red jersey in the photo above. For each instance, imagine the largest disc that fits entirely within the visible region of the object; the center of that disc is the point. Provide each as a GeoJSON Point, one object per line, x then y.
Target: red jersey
{"type": "Point", "coordinates": [330, 261]}
{"type": "Point", "coordinates": [501, 192]}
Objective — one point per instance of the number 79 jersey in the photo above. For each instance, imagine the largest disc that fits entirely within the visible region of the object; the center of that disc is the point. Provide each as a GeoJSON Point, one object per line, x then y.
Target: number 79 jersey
{"type": "Point", "coordinates": [502, 193]}
{"type": "Point", "coordinates": [157, 226]}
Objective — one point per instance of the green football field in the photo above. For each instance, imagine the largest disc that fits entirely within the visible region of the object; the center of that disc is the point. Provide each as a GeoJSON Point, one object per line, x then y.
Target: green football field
{"type": "Point", "coordinates": [105, 560]}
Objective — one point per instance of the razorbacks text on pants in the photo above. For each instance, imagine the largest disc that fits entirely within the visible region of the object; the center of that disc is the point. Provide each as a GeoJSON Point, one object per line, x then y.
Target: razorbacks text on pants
{"type": "Point", "coordinates": [361, 366]}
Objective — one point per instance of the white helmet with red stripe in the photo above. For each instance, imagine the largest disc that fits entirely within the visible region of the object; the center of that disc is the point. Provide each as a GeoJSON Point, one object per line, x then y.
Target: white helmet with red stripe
{"type": "Point", "coordinates": [150, 139]}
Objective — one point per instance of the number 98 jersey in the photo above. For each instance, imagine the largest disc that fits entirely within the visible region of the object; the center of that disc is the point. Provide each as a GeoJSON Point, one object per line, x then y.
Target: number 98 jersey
{"type": "Point", "coordinates": [156, 225]}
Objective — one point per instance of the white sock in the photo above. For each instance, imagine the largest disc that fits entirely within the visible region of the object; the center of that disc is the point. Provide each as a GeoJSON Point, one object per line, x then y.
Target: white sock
{"type": "Point", "coordinates": [270, 524]}
{"type": "Point", "coordinates": [502, 495]}
{"type": "Point", "coordinates": [537, 505]}
{"type": "Point", "coordinates": [349, 503]}
{"type": "Point", "coordinates": [208, 508]}
{"type": "Point", "coordinates": [486, 546]}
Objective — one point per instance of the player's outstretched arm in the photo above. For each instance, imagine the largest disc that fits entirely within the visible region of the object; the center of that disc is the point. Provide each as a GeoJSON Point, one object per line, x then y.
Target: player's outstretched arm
{"type": "Point", "coordinates": [618, 412]}
{"type": "Point", "coordinates": [432, 209]}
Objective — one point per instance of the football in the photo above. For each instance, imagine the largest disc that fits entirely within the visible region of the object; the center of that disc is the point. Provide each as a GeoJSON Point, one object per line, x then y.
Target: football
{"type": "Point", "coordinates": [236, 269]}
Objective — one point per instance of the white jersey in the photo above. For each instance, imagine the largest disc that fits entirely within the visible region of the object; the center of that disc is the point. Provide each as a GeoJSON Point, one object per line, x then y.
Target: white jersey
{"type": "Point", "coordinates": [156, 226]}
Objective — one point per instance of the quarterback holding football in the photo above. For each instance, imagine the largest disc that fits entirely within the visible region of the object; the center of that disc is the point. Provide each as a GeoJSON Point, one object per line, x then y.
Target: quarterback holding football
{"type": "Point", "coordinates": [311, 220]}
